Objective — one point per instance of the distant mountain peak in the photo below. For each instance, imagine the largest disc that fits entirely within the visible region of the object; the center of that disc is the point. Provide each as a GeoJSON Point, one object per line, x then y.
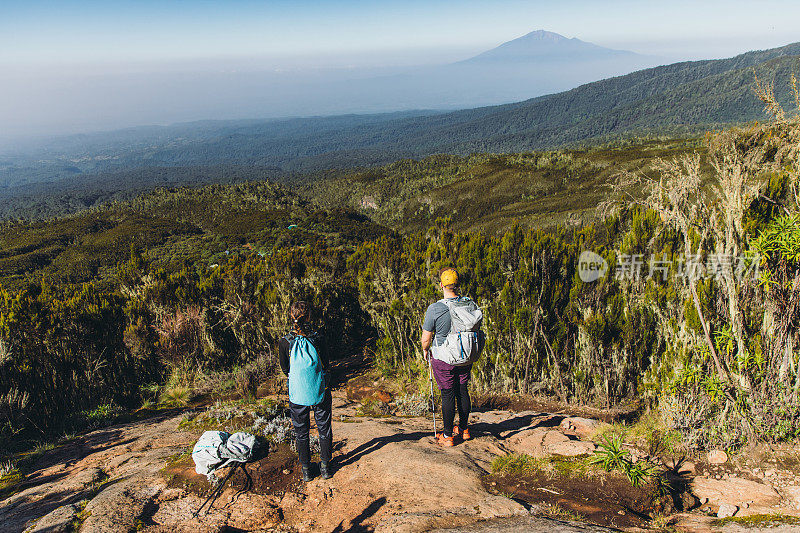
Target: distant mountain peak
{"type": "Point", "coordinates": [541, 45]}
{"type": "Point", "coordinates": [542, 35]}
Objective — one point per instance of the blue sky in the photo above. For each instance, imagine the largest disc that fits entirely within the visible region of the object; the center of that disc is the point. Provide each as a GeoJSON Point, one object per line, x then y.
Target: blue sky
{"type": "Point", "coordinates": [35, 33]}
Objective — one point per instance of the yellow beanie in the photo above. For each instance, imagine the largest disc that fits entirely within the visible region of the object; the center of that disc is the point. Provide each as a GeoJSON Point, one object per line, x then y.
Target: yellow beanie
{"type": "Point", "coordinates": [449, 277]}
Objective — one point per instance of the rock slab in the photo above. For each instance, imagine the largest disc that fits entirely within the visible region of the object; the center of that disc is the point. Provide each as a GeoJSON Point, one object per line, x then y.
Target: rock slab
{"type": "Point", "coordinates": [734, 491]}
{"type": "Point", "coordinates": [541, 442]}
{"type": "Point", "coordinates": [59, 520]}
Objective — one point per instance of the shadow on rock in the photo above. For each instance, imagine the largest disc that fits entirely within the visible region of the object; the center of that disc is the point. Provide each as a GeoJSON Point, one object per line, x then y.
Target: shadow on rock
{"type": "Point", "coordinates": [357, 523]}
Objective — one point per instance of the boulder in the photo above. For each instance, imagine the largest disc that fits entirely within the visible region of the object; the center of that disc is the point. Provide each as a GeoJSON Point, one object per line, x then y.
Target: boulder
{"type": "Point", "coordinates": [583, 428]}
{"type": "Point", "coordinates": [734, 491]}
{"type": "Point", "coordinates": [541, 442]}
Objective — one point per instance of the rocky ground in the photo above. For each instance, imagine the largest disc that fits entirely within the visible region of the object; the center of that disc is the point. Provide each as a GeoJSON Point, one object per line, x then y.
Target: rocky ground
{"type": "Point", "coordinates": [389, 477]}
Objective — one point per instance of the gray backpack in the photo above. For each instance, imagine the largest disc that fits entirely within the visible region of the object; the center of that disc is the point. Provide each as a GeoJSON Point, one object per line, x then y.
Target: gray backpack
{"type": "Point", "coordinates": [464, 343]}
{"type": "Point", "coordinates": [215, 449]}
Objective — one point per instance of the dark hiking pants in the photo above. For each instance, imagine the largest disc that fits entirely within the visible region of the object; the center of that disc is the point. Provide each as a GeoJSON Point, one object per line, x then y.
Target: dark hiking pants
{"type": "Point", "coordinates": [302, 423]}
{"type": "Point", "coordinates": [456, 396]}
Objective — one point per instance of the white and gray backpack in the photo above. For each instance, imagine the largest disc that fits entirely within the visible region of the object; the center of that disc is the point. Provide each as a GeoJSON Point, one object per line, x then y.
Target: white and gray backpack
{"type": "Point", "coordinates": [215, 449]}
{"type": "Point", "coordinates": [464, 343]}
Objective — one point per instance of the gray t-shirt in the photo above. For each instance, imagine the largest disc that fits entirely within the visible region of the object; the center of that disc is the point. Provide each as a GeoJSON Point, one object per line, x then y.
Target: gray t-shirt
{"type": "Point", "coordinates": [437, 318]}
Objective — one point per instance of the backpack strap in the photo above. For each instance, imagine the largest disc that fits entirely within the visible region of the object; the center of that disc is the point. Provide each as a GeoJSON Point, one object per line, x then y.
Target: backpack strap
{"type": "Point", "coordinates": [292, 336]}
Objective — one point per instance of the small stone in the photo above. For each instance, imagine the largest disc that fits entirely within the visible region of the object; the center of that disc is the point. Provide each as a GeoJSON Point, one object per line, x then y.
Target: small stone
{"type": "Point", "coordinates": [286, 471]}
{"type": "Point", "coordinates": [703, 501]}
{"type": "Point", "coordinates": [717, 457]}
{"type": "Point", "coordinates": [726, 510]}
{"type": "Point", "coordinates": [494, 483]}
{"type": "Point", "coordinates": [621, 512]}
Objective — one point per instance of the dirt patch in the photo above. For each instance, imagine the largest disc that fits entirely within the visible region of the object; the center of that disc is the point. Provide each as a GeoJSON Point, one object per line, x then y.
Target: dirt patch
{"type": "Point", "coordinates": [180, 474]}
{"type": "Point", "coordinates": [517, 403]}
{"type": "Point", "coordinates": [614, 503]}
{"type": "Point", "coordinates": [275, 474]}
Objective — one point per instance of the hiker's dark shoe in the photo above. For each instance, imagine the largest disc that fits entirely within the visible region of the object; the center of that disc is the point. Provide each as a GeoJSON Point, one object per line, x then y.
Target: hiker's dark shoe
{"type": "Point", "coordinates": [444, 440]}
{"type": "Point", "coordinates": [306, 473]}
{"type": "Point", "coordinates": [464, 433]}
{"type": "Point", "coordinates": [325, 470]}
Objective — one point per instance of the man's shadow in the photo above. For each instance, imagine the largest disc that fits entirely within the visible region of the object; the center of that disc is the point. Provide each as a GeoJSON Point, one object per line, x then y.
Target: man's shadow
{"type": "Point", "coordinates": [514, 425]}
{"type": "Point", "coordinates": [377, 443]}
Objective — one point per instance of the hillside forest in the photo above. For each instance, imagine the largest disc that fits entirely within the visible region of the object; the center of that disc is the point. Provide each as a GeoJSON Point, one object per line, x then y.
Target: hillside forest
{"type": "Point", "coordinates": [144, 300]}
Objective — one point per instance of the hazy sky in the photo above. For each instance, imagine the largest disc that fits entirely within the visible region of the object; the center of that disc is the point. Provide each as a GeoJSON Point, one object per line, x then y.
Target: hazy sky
{"type": "Point", "coordinates": [64, 32]}
{"type": "Point", "coordinates": [68, 66]}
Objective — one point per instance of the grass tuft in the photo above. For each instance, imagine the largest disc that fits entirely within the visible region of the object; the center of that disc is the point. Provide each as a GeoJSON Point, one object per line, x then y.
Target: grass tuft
{"type": "Point", "coordinates": [553, 510]}
{"type": "Point", "coordinates": [516, 463]}
{"type": "Point", "coordinates": [175, 397]}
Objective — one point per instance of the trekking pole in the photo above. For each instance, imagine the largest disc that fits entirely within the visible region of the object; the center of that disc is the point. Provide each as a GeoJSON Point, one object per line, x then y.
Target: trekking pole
{"type": "Point", "coordinates": [216, 492]}
{"type": "Point", "coordinates": [433, 401]}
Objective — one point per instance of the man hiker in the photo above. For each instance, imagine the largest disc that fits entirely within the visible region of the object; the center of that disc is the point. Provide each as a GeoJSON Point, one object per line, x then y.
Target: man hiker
{"type": "Point", "coordinates": [303, 356]}
{"type": "Point", "coordinates": [451, 341]}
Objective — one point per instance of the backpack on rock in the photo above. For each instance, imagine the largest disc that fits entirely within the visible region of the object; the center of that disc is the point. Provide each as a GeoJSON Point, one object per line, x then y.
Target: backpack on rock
{"type": "Point", "coordinates": [215, 449]}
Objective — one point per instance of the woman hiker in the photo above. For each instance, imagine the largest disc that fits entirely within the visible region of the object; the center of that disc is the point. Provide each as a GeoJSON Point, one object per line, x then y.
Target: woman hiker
{"type": "Point", "coordinates": [303, 355]}
{"type": "Point", "coordinates": [453, 380]}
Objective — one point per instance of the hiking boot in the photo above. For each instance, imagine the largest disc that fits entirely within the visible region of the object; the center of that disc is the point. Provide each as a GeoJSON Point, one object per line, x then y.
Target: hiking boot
{"type": "Point", "coordinates": [463, 434]}
{"type": "Point", "coordinates": [443, 440]}
{"type": "Point", "coordinates": [306, 473]}
{"type": "Point", "coordinates": [324, 470]}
